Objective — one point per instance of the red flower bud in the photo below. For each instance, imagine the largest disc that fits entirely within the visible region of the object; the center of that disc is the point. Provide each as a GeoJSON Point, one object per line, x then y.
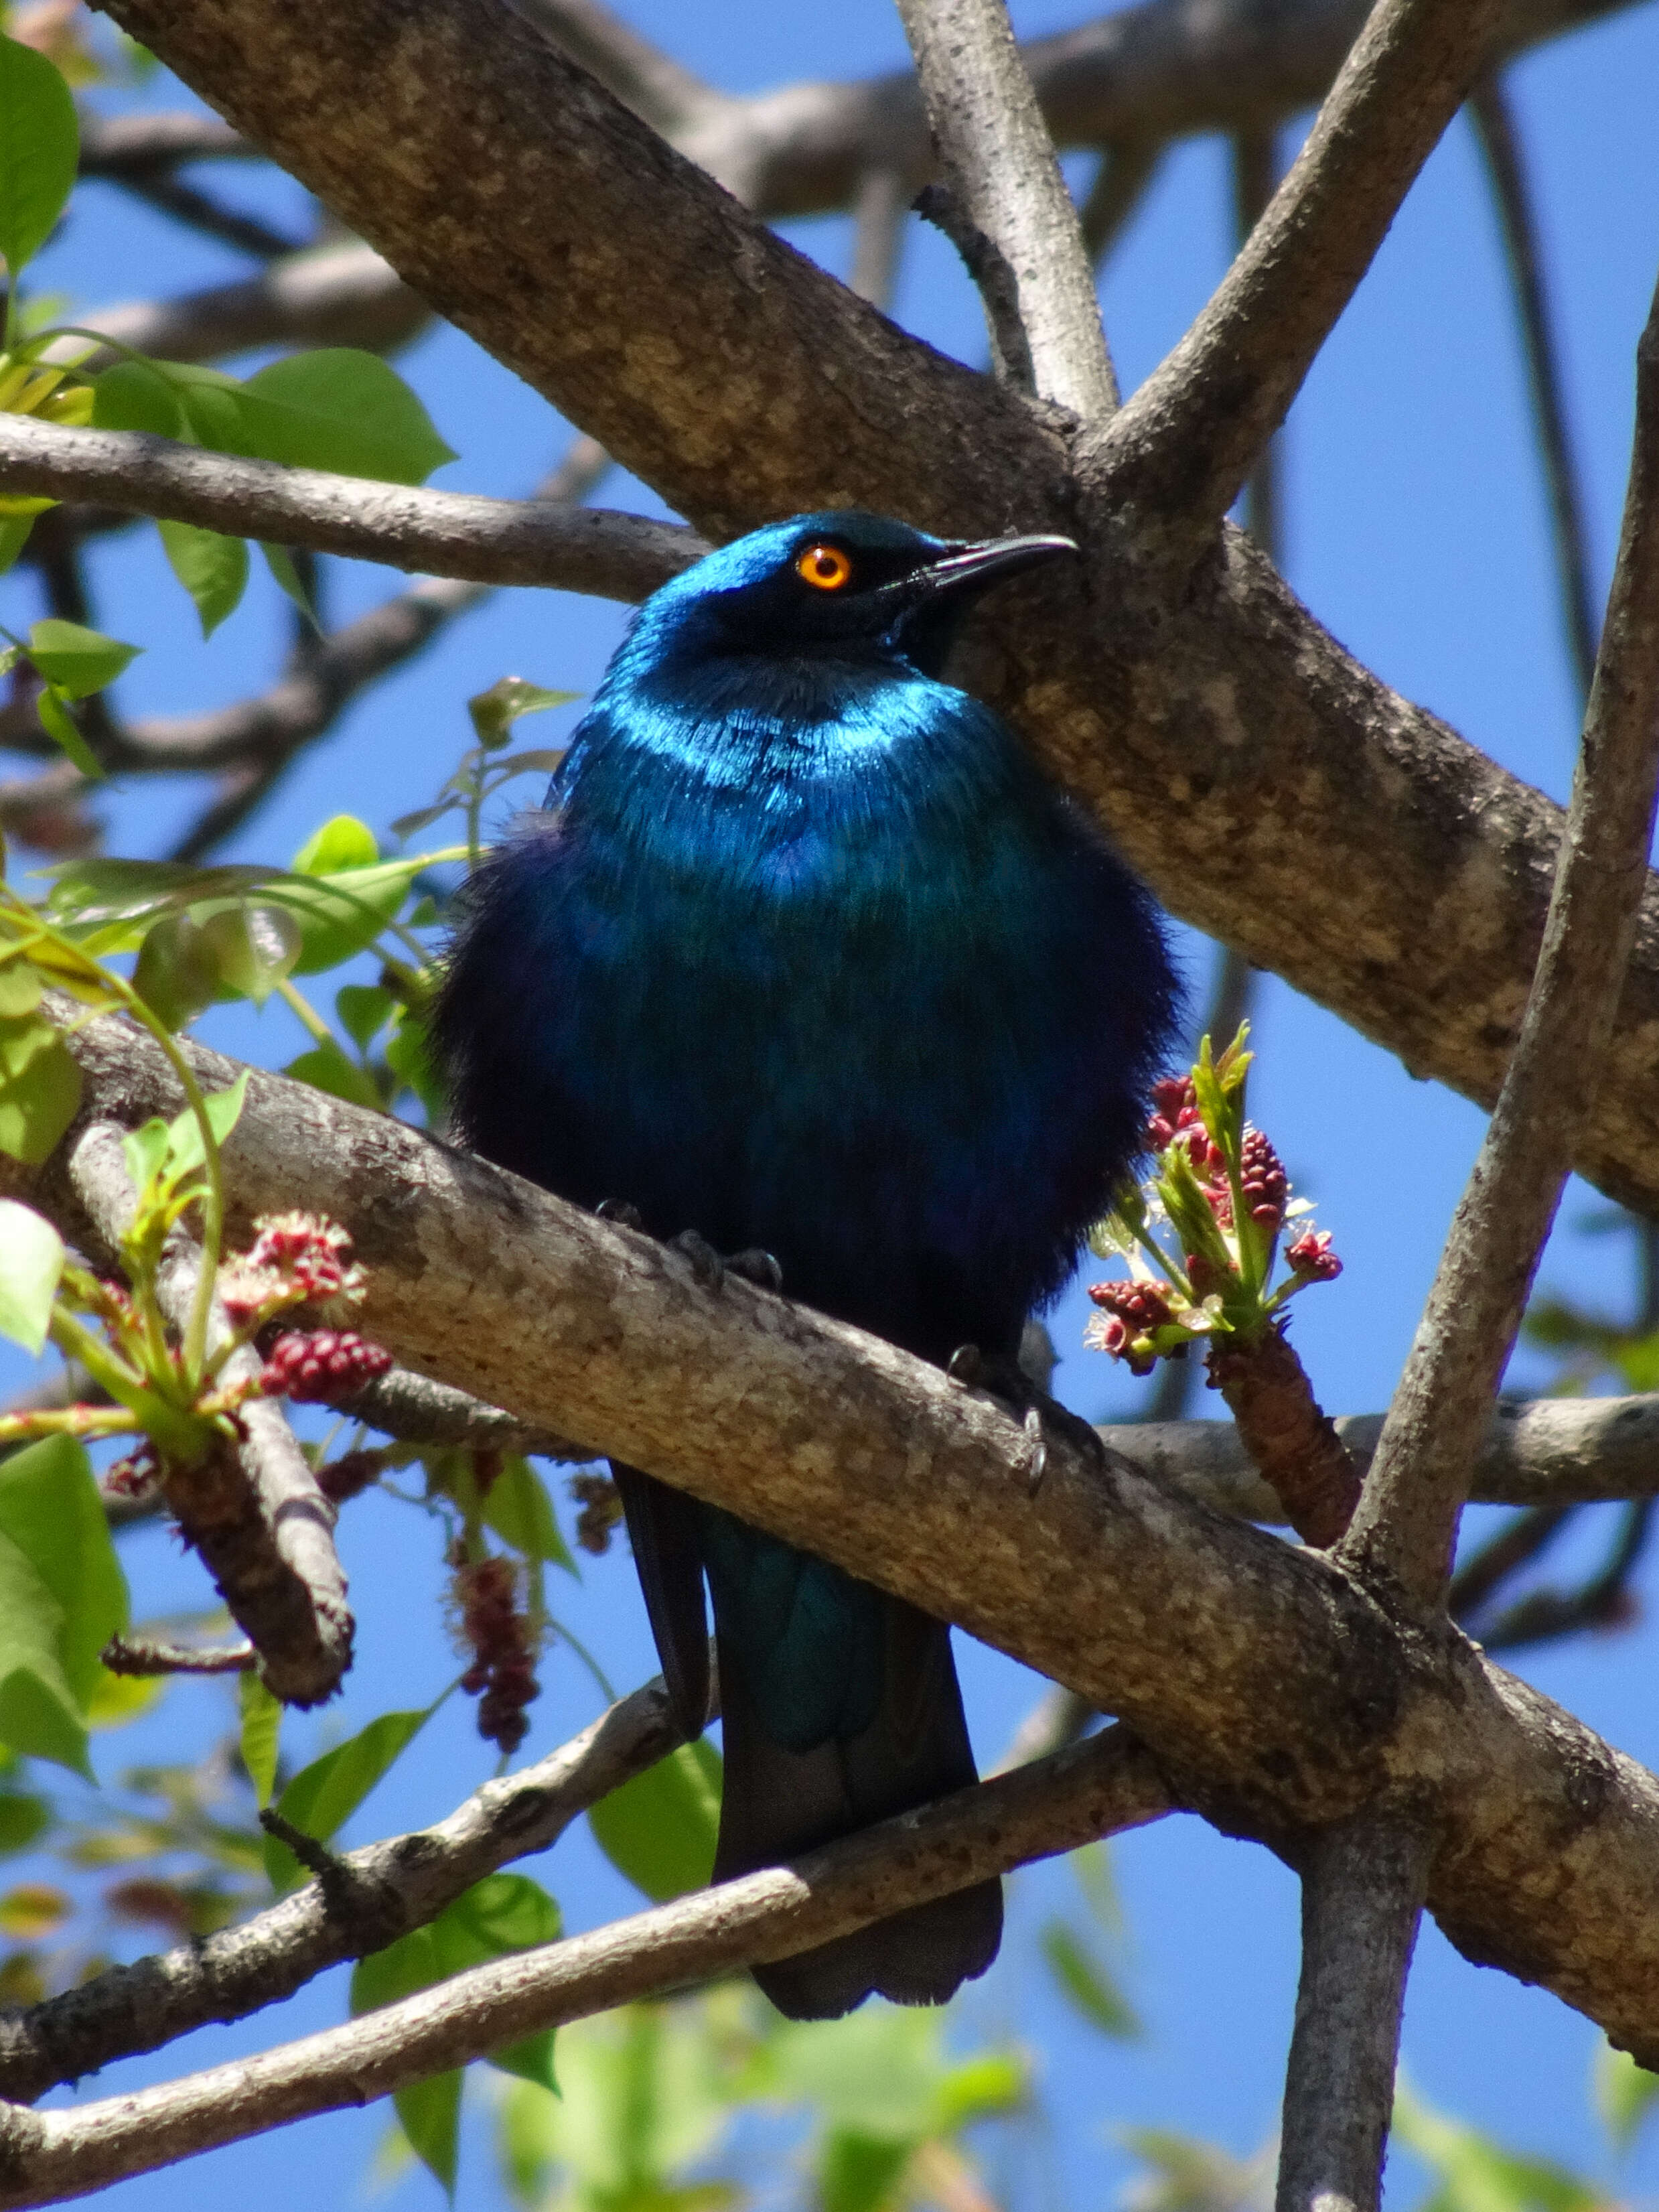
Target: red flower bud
{"type": "Point", "coordinates": [1312, 1258]}
{"type": "Point", "coordinates": [1263, 1181]}
{"type": "Point", "coordinates": [317, 1365]}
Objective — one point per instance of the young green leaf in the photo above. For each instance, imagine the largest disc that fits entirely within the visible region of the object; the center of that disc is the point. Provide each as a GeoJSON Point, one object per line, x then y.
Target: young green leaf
{"type": "Point", "coordinates": [20, 985]}
{"type": "Point", "coordinates": [39, 1088]}
{"type": "Point", "coordinates": [39, 149]}
{"type": "Point", "coordinates": [1624, 2093]}
{"type": "Point", "coordinates": [50, 1507]}
{"type": "Point", "coordinates": [40, 1714]}
{"type": "Point", "coordinates": [177, 971]}
{"type": "Point", "coordinates": [325, 1067]}
{"type": "Point", "coordinates": [858, 2173]}
{"type": "Point", "coordinates": [429, 2114]}
{"type": "Point", "coordinates": [60, 725]}
{"type": "Point", "coordinates": [409, 1058]}
{"type": "Point", "coordinates": [660, 1828]}
{"type": "Point", "coordinates": [506, 700]}
{"type": "Point", "coordinates": [31, 1261]}
{"type": "Point", "coordinates": [364, 1010]}
{"type": "Point", "coordinates": [281, 563]}
{"type": "Point", "coordinates": [212, 568]}
{"type": "Point", "coordinates": [325, 1794]}
{"type": "Point", "coordinates": [78, 661]}
{"type": "Point", "coordinates": [137, 395]}
{"type": "Point", "coordinates": [1084, 1981]}
{"type": "Point", "coordinates": [262, 1724]}
{"type": "Point", "coordinates": [255, 946]}
{"type": "Point", "coordinates": [518, 1508]}
{"type": "Point", "coordinates": [343, 841]}
{"type": "Point", "coordinates": [14, 537]}
{"type": "Point", "coordinates": [223, 1108]}
{"type": "Point", "coordinates": [337, 408]}
{"type": "Point", "coordinates": [22, 1819]}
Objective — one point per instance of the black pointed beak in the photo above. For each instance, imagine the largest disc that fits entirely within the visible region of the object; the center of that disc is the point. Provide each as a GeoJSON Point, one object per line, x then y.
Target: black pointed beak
{"type": "Point", "coordinates": [967, 569]}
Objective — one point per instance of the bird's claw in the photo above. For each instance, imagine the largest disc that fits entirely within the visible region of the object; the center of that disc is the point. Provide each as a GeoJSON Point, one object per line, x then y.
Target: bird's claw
{"type": "Point", "coordinates": [706, 1262]}
{"type": "Point", "coordinates": [757, 1267]}
{"type": "Point", "coordinates": [1041, 1417]}
{"type": "Point", "coordinates": [618, 1212]}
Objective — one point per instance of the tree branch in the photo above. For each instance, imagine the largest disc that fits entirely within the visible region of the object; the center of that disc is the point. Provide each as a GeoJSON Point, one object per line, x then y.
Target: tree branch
{"type": "Point", "coordinates": [1407, 1516]}
{"type": "Point", "coordinates": [1190, 438]}
{"type": "Point", "coordinates": [1362, 1896]}
{"type": "Point", "coordinates": [1098, 1788]}
{"type": "Point", "coordinates": [1275, 1691]}
{"type": "Point", "coordinates": [658, 90]}
{"type": "Point", "coordinates": [407, 1879]}
{"type": "Point", "coordinates": [1494, 123]}
{"type": "Point", "coordinates": [454, 535]}
{"type": "Point", "coordinates": [264, 1530]}
{"type": "Point", "coordinates": [999, 164]}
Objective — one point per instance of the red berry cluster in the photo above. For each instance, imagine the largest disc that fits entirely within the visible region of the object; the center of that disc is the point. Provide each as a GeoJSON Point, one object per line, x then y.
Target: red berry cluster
{"type": "Point", "coordinates": [1136, 1310]}
{"type": "Point", "coordinates": [1264, 1181]}
{"type": "Point", "coordinates": [600, 1505]}
{"type": "Point", "coordinates": [315, 1366]}
{"type": "Point", "coordinates": [503, 1675]}
{"type": "Point", "coordinates": [1176, 1119]}
{"type": "Point", "coordinates": [1312, 1258]}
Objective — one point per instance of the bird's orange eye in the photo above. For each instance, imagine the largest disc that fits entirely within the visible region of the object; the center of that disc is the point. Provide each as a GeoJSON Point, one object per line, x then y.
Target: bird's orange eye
{"type": "Point", "coordinates": [825, 567]}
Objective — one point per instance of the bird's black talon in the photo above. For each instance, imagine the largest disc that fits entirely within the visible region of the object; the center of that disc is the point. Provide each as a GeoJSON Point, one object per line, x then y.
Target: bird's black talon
{"type": "Point", "coordinates": [620, 1213]}
{"type": "Point", "coordinates": [706, 1264]}
{"type": "Point", "coordinates": [1036, 1450]}
{"type": "Point", "coordinates": [966, 1365]}
{"type": "Point", "coordinates": [757, 1267]}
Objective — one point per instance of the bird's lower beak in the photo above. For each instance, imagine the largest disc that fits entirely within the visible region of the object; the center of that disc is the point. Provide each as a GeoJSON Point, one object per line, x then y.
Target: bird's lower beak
{"type": "Point", "coordinates": [974, 567]}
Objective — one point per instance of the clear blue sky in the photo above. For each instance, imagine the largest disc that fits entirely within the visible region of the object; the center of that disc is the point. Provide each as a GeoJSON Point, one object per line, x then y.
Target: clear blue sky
{"type": "Point", "coordinates": [1416, 531]}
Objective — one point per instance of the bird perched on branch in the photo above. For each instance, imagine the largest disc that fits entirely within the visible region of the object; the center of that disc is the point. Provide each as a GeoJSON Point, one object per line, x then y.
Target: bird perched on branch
{"type": "Point", "coordinates": [807, 956]}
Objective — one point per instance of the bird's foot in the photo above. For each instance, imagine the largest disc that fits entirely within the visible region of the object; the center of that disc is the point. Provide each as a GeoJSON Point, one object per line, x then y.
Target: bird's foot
{"type": "Point", "coordinates": [711, 1267]}
{"type": "Point", "coordinates": [619, 1212]}
{"type": "Point", "coordinates": [1041, 1417]}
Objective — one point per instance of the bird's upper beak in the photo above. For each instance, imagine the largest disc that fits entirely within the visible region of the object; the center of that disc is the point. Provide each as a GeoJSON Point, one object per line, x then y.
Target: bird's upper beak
{"type": "Point", "coordinates": [971, 567]}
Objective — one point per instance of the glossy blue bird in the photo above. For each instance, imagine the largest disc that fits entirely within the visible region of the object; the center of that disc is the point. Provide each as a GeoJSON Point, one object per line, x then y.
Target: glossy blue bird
{"type": "Point", "coordinates": [806, 954]}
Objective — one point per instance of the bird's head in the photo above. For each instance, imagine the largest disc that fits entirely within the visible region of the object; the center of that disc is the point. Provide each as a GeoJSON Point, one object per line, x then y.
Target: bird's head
{"type": "Point", "coordinates": [842, 585]}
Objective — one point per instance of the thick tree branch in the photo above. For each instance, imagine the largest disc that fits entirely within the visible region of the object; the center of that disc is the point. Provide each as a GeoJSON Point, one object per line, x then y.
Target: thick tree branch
{"type": "Point", "coordinates": [1275, 1692]}
{"type": "Point", "coordinates": [454, 535]}
{"type": "Point", "coordinates": [1190, 438]}
{"type": "Point", "coordinates": [1362, 1896]}
{"type": "Point", "coordinates": [264, 1530]}
{"type": "Point", "coordinates": [998, 163]}
{"type": "Point", "coordinates": [390, 1887]}
{"type": "Point", "coordinates": [1096, 1788]}
{"type": "Point", "coordinates": [643, 77]}
{"type": "Point", "coordinates": [1407, 1517]}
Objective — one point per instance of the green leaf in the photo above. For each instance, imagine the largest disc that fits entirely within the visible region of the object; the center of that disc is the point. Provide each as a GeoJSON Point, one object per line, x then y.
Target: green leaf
{"type": "Point", "coordinates": [1086, 1983]}
{"type": "Point", "coordinates": [39, 1088]}
{"type": "Point", "coordinates": [145, 1149]}
{"type": "Point", "coordinates": [508, 700]}
{"type": "Point", "coordinates": [343, 841]}
{"type": "Point", "coordinates": [325, 1794]}
{"type": "Point", "coordinates": [660, 1828]}
{"type": "Point", "coordinates": [60, 724]}
{"type": "Point", "coordinates": [135, 395]}
{"type": "Point", "coordinates": [20, 985]}
{"type": "Point", "coordinates": [39, 1713]}
{"type": "Point", "coordinates": [409, 1058]}
{"type": "Point", "coordinates": [212, 568]}
{"type": "Point", "coordinates": [325, 1067]}
{"type": "Point", "coordinates": [429, 2114]}
{"type": "Point", "coordinates": [22, 1819]}
{"type": "Point", "coordinates": [262, 1727]}
{"type": "Point", "coordinates": [337, 408]}
{"type": "Point", "coordinates": [858, 2172]}
{"type": "Point", "coordinates": [1624, 2093]}
{"type": "Point", "coordinates": [518, 1508]}
{"type": "Point", "coordinates": [14, 537]}
{"type": "Point", "coordinates": [1476, 2175]}
{"type": "Point", "coordinates": [281, 563]}
{"type": "Point", "coordinates": [177, 970]}
{"type": "Point", "coordinates": [223, 1108]}
{"type": "Point", "coordinates": [31, 1261]}
{"type": "Point", "coordinates": [255, 946]}
{"type": "Point", "coordinates": [39, 149]}
{"type": "Point", "coordinates": [78, 661]}
{"type": "Point", "coordinates": [364, 1010]}
{"type": "Point", "coordinates": [342, 912]}
{"type": "Point", "coordinates": [51, 1509]}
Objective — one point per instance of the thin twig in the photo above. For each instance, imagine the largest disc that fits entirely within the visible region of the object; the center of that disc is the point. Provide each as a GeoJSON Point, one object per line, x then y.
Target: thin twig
{"type": "Point", "coordinates": [1362, 1897]}
{"type": "Point", "coordinates": [263, 1529]}
{"type": "Point", "coordinates": [1190, 438]}
{"type": "Point", "coordinates": [187, 203]}
{"type": "Point", "coordinates": [1603, 1600]}
{"type": "Point", "coordinates": [441, 533]}
{"type": "Point", "coordinates": [878, 213]}
{"type": "Point", "coordinates": [1407, 1517]}
{"type": "Point", "coordinates": [1494, 123]}
{"type": "Point", "coordinates": [418, 1411]}
{"type": "Point", "coordinates": [1096, 1788]}
{"type": "Point", "coordinates": [146, 1655]}
{"type": "Point", "coordinates": [1120, 184]}
{"type": "Point", "coordinates": [998, 163]}
{"type": "Point", "coordinates": [410, 1878]}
